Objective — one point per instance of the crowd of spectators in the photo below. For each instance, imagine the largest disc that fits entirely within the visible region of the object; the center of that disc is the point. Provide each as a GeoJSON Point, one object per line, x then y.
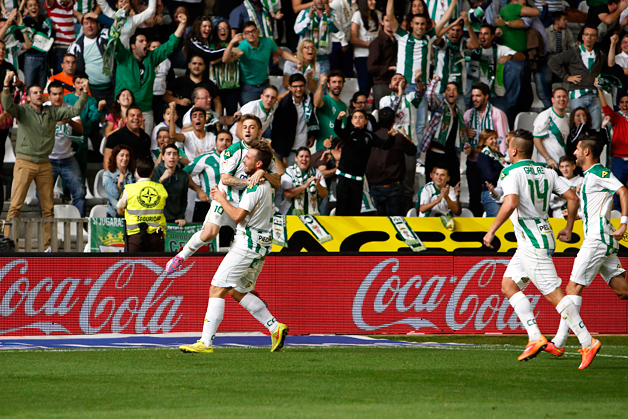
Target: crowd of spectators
{"type": "Point", "coordinates": [439, 86]}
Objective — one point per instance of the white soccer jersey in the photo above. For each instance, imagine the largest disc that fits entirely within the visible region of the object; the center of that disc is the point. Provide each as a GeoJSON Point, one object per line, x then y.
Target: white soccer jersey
{"type": "Point", "coordinates": [596, 200]}
{"type": "Point", "coordinates": [257, 226]}
{"type": "Point", "coordinates": [412, 54]}
{"type": "Point", "coordinates": [207, 168]}
{"type": "Point", "coordinates": [534, 184]}
{"type": "Point", "coordinates": [553, 130]}
{"type": "Point", "coordinates": [194, 146]}
{"type": "Point", "coordinates": [429, 193]}
{"type": "Point", "coordinates": [450, 65]}
{"type": "Point", "coordinates": [231, 164]}
{"type": "Point", "coordinates": [256, 108]}
{"type": "Point", "coordinates": [407, 108]}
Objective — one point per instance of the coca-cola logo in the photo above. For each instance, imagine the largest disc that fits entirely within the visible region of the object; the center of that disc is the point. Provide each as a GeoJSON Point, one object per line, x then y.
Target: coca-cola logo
{"type": "Point", "coordinates": [439, 303]}
{"type": "Point", "coordinates": [102, 304]}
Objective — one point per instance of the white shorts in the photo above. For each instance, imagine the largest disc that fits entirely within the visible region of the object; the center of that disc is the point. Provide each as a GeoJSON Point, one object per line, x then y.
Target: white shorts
{"type": "Point", "coordinates": [535, 264]}
{"type": "Point", "coordinates": [217, 215]}
{"type": "Point", "coordinates": [592, 258]}
{"type": "Point", "coordinates": [240, 267]}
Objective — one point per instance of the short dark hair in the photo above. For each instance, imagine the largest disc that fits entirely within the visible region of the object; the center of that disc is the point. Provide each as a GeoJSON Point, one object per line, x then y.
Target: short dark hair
{"type": "Point", "coordinates": [195, 56]}
{"type": "Point", "coordinates": [567, 158]}
{"type": "Point", "coordinates": [441, 167]}
{"type": "Point", "coordinates": [28, 89]}
{"type": "Point", "coordinates": [264, 153]}
{"type": "Point", "coordinates": [134, 37]}
{"type": "Point", "coordinates": [167, 146]}
{"type": "Point", "coordinates": [490, 28]}
{"type": "Point", "coordinates": [296, 77]}
{"type": "Point", "coordinates": [80, 75]}
{"type": "Point", "coordinates": [335, 73]}
{"type": "Point", "coordinates": [144, 166]}
{"type": "Point", "coordinates": [252, 117]}
{"type": "Point", "coordinates": [556, 16]}
{"type": "Point", "coordinates": [595, 27]}
{"type": "Point", "coordinates": [67, 54]}
{"type": "Point", "coordinates": [55, 84]}
{"type": "Point", "coordinates": [524, 142]}
{"type": "Point", "coordinates": [593, 145]}
{"type": "Point", "coordinates": [224, 131]}
{"type": "Point", "coordinates": [486, 91]}
{"type": "Point", "coordinates": [300, 149]}
{"type": "Point", "coordinates": [197, 109]}
{"type": "Point", "coordinates": [248, 25]}
{"type": "Point", "coordinates": [133, 106]}
{"type": "Point", "coordinates": [386, 117]}
{"type": "Point", "coordinates": [271, 87]}
{"type": "Point", "coordinates": [366, 115]}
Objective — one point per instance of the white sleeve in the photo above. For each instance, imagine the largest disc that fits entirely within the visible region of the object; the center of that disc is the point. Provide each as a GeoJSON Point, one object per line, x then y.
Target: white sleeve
{"type": "Point", "coordinates": [146, 14]}
{"type": "Point", "coordinates": [249, 198]}
{"type": "Point", "coordinates": [229, 165]}
{"type": "Point", "coordinates": [541, 126]}
{"type": "Point", "coordinates": [560, 186]}
{"type": "Point", "coordinates": [611, 183]}
{"type": "Point", "coordinates": [510, 186]}
{"type": "Point", "coordinates": [106, 9]}
{"type": "Point", "coordinates": [286, 181]}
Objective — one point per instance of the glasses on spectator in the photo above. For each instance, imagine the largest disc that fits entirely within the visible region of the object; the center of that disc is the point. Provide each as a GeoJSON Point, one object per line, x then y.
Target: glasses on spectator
{"type": "Point", "coordinates": [297, 86]}
{"type": "Point", "coordinates": [251, 32]}
{"type": "Point", "coordinates": [360, 102]}
{"type": "Point", "coordinates": [312, 47]}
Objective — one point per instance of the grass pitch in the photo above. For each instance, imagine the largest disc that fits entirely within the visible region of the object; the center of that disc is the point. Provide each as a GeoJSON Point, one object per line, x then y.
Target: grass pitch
{"type": "Point", "coordinates": [484, 380]}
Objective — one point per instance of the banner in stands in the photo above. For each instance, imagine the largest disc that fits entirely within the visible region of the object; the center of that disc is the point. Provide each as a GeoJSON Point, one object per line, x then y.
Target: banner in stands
{"type": "Point", "coordinates": [375, 294]}
{"type": "Point", "coordinates": [367, 234]}
{"type": "Point", "coordinates": [107, 235]}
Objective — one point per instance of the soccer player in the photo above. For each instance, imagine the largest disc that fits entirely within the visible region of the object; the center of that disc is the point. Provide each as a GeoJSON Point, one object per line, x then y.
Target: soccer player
{"type": "Point", "coordinates": [598, 252]}
{"type": "Point", "coordinates": [240, 268]}
{"type": "Point", "coordinates": [527, 188]}
{"type": "Point", "coordinates": [233, 180]}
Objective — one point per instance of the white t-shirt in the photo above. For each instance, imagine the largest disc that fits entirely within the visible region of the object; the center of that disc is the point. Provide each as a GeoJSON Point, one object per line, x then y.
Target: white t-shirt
{"type": "Point", "coordinates": [478, 71]}
{"type": "Point", "coordinates": [258, 201]}
{"type": "Point", "coordinates": [534, 184]}
{"type": "Point", "coordinates": [194, 146]}
{"type": "Point", "coordinates": [291, 68]}
{"type": "Point", "coordinates": [256, 108]}
{"type": "Point", "coordinates": [161, 72]}
{"type": "Point", "coordinates": [553, 130]}
{"type": "Point", "coordinates": [63, 133]}
{"type": "Point", "coordinates": [429, 193]}
{"type": "Point", "coordinates": [364, 34]}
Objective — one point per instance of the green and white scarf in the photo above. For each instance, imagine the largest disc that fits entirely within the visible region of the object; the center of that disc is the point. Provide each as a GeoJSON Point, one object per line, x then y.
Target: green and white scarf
{"type": "Point", "coordinates": [588, 59]}
{"type": "Point", "coordinates": [12, 44]}
{"type": "Point", "coordinates": [280, 231]}
{"type": "Point", "coordinates": [266, 25]}
{"type": "Point", "coordinates": [319, 27]}
{"type": "Point", "coordinates": [493, 154]}
{"type": "Point", "coordinates": [108, 57]}
{"type": "Point", "coordinates": [225, 75]}
{"type": "Point", "coordinates": [453, 65]}
{"type": "Point", "coordinates": [408, 236]}
{"type": "Point", "coordinates": [479, 124]}
{"type": "Point", "coordinates": [312, 224]}
{"type": "Point", "coordinates": [307, 201]}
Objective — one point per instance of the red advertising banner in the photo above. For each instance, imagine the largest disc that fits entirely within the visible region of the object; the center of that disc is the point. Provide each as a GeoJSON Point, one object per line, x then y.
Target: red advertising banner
{"type": "Point", "coordinates": [373, 294]}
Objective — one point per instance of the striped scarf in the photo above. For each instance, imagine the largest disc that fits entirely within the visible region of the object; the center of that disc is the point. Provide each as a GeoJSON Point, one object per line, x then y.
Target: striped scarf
{"type": "Point", "coordinates": [266, 25]}
{"type": "Point", "coordinates": [479, 124]}
{"type": "Point", "coordinates": [307, 201]}
{"type": "Point", "coordinates": [108, 57]}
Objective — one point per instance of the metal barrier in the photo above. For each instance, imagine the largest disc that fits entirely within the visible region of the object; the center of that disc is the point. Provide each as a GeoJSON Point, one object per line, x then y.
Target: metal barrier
{"type": "Point", "coordinates": [23, 231]}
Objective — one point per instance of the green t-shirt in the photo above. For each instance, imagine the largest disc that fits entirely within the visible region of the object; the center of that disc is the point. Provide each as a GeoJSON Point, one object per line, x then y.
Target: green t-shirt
{"type": "Point", "coordinates": [254, 61]}
{"type": "Point", "coordinates": [327, 115]}
{"type": "Point", "coordinates": [513, 38]}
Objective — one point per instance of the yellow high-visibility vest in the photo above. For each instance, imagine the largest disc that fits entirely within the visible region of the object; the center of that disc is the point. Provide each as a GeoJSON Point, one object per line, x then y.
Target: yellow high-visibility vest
{"type": "Point", "coordinates": [146, 202]}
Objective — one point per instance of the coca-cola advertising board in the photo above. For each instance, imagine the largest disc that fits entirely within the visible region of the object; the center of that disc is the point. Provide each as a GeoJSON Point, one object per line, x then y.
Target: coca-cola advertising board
{"type": "Point", "coordinates": [375, 294]}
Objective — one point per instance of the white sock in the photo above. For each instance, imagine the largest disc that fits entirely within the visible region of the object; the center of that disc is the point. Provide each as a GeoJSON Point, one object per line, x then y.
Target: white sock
{"type": "Point", "coordinates": [192, 246]}
{"type": "Point", "coordinates": [563, 329]}
{"type": "Point", "coordinates": [523, 308]}
{"type": "Point", "coordinates": [569, 313]}
{"type": "Point", "coordinates": [213, 317]}
{"type": "Point", "coordinates": [258, 309]}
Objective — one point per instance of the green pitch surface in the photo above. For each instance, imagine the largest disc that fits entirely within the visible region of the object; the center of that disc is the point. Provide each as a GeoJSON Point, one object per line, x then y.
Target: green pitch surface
{"type": "Point", "coordinates": [484, 380]}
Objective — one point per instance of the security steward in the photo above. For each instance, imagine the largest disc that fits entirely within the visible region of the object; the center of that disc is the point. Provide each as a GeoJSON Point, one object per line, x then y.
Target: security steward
{"type": "Point", "coordinates": [144, 202]}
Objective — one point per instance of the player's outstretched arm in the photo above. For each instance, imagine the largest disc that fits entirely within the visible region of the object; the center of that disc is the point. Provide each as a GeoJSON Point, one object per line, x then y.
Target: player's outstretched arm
{"type": "Point", "coordinates": [236, 214]}
{"type": "Point", "coordinates": [564, 235]}
{"type": "Point", "coordinates": [511, 202]}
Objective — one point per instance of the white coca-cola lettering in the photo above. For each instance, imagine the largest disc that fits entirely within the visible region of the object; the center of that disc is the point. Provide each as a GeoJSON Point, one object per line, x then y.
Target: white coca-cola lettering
{"type": "Point", "coordinates": [461, 308]}
{"type": "Point", "coordinates": [97, 312]}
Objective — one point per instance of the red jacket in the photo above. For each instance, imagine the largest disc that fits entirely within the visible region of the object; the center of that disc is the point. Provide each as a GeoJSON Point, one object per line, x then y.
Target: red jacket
{"type": "Point", "coordinates": [619, 142]}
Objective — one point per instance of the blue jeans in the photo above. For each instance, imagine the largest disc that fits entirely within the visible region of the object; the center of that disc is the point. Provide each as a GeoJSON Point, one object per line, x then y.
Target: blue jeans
{"type": "Point", "coordinates": [513, 75]}
{"type": "Point", "coordinates": [324, 63]}
{"type": "Point", "coordinates": [490, 206]}
{"type": "Point", "coordinates": [388, 199]}
{"type": "Point", "coordinates": [543, 81]}
{"type": "Point", "coordinates": [35, 70]}
{"type": "Point", "coordinates": [590, 101]}
{"type": "Point", "coordinates": [249, 93]}
{"type": "Point", "coordinates": [619, 167]}
{"type": "Point", "coordinates": [421, 116]}
{"type": "Point", "coordinates": [70, 173]}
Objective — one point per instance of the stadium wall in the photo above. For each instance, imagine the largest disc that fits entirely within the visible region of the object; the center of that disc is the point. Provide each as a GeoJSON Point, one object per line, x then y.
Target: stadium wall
{"type": "Point", "coordinates": [343, 294]}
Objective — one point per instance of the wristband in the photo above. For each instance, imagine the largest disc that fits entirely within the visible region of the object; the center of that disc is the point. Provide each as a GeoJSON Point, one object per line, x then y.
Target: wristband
{"type": "Point", "coordinates": [624, 219]}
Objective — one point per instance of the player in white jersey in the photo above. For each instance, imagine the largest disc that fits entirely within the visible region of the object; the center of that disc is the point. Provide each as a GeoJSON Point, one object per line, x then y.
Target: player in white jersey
{"type": "Point", "coordinates": [598, 252]}
{"type": "Point", "coordinates": [240, 268]}
{"type": "Point", "coordinates": [551, 129]}
{"type": "Point", "coordinates": [233, 181]}
{"type": "Point", "coordinates": [527, 188]}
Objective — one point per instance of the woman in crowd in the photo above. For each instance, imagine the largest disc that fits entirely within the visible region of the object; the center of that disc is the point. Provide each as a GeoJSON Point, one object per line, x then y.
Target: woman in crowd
{"type": "Point", "coordinates": [198, 41]}
{"type": "Point", "coordinates": [490, 165]}
{"type": "Point", "coordinates": [132, 21]}
{"type": "Point", "coordinates": [579, 126]}
{"type": "Point", "coordinates": [311, 70]}
{"type": "Point", "coordinates": [364, 28]}
{"type": "Point", "coordinates": [418, 7]}
{"type": "Point", "coordinates": [116, 118]}
{"type": "Point", "coordinates": [359, 101]}
{"type": "Point", "coordinates": [120, 171]}
{"type": "Point", "coordinates": [225, 75]}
